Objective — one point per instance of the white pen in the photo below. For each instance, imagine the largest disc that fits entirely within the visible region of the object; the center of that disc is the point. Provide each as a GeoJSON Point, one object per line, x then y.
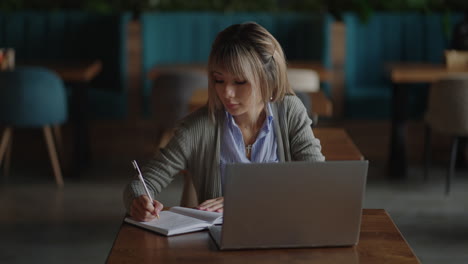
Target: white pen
{"type": "Point", "coordinates": [140, 176]}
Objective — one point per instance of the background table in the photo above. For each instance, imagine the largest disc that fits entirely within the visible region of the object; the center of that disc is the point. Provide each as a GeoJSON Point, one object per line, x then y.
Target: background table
{"type": "Point", "coordinates": [380, 242]}
{"type": "Point", "coordinates": [321, 105]}
{"type": "Point", "coordinates": [72, 71]}
{"type": "Point", "coordinates": [325, 74]}
{"type": "Point", "coordinates": [401, 73]}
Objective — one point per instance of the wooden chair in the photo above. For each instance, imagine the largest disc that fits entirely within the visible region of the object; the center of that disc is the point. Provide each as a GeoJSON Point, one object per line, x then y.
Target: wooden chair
{"type": "Point", "coordinates": [447, 113]}
{"type": "Point", "coordinates": [304, 82]}
{"type": "Point", "coordinates": [171, 94]}
{"type": "Point", "coordinates": [32, 97]}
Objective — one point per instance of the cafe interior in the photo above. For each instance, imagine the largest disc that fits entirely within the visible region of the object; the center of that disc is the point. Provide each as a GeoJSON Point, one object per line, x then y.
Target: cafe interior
{"type": "Point", "coordinates": [87, 87]}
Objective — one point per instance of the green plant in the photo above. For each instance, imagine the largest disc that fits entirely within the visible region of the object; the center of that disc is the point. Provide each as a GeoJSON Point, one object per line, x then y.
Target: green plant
{"type": "Point", "coordinates": [14, 5]}
{"type": "Point", "coordinates": [99, 6]}
{"type": "Point", "coordinates": [365, 8]}
{"type": "Point", "coordinates": [213, 5]}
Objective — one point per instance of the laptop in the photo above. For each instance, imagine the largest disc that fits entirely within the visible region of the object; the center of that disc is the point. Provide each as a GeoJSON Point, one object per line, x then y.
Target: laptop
{"type": "Point", "coordinates": [290, 205]}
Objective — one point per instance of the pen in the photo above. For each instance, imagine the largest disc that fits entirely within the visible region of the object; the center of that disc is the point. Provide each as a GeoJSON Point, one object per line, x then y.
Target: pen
{"type": "Point", "coordinates": [140, 176]}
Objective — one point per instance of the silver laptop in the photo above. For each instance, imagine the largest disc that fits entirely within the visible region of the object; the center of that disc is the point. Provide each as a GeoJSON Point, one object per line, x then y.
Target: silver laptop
{"type": "Point", "coordinates": [294, 204]}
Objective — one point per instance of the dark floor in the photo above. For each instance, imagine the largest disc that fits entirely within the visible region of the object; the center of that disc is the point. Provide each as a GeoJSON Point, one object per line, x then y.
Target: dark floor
{"type": "Point", "coordinates": [41, 224]}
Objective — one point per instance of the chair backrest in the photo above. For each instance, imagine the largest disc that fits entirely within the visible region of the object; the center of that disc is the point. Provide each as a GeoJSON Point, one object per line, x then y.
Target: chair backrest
{"type": "Point", "coordinates": [32, 97]}
{"type": "Point", "coordinates": [447, 110]}
{"type": "Point", "coordinates": [304, 80]}
{"type": "Point", "coordinates": [171, 94]}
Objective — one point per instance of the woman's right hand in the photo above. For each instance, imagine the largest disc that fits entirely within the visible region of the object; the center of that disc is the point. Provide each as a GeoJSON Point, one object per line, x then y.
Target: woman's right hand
{"type": "Point", "coordinates": [144, 210]}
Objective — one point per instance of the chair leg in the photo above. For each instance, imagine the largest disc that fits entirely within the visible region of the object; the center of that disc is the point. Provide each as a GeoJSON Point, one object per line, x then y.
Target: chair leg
{"type": "Point", "coordinates": [53, 155]}
{"type": "Point", "coordinates": [453, 158]}
{"type": "Point", "coordinates": [5, 142]}
{"type": "Point", "coordinates": [164, 136]}
{"type": "Point", "coordinates": [7, 162]}
{"type": "Point", "coordinates": [59, 143]}
{"type": "Point", "coordinates": [461, 155]}
{"type": "Point", "coordinates": [427, 151]}
{"type": "Point", "coordinates": [189, 194]}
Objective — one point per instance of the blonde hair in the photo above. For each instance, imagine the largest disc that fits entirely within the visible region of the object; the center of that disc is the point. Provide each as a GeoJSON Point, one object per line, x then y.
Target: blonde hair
{"type": "Point", "coordinates": [250, 52]}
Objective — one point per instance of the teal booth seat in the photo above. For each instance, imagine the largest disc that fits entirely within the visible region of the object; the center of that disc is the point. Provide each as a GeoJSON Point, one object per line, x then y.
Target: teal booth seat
{"type": "Point", "coordinates": [385, 38]}
{"type": "Point", "coordinates": [184, 37]}
{"type": "Point", "coordinates": [73, 36]}
{"type": "Point", "coordinates": [32, 97]}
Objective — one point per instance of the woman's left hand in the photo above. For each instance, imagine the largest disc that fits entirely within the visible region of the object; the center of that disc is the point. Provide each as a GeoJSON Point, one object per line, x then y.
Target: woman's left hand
{"type": "Point", "coordinates": [212, 205]}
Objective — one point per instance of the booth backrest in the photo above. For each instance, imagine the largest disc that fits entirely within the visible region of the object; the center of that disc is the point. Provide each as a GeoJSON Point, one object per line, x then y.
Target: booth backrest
{"type": "Point", "coordinates": [386, 38]}
{"type": "Point", "coordinates": [71, 35]}
{"type": "Point", "coordinates": [179, 37]}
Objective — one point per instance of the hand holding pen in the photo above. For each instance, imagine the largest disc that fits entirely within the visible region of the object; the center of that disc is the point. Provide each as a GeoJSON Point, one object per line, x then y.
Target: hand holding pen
{"type": "Point", "coordinates": [144, 208]}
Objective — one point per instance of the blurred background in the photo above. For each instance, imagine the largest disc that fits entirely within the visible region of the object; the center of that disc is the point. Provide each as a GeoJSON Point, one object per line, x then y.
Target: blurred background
{"type": "Point", "coordinates": [88, 86]}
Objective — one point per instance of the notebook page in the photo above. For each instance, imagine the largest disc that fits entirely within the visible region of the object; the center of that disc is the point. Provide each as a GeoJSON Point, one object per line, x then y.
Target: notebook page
{"type": "Point", "coordinates": [211, 217]}
{"type": "Point", "coordinates": [171, 223]}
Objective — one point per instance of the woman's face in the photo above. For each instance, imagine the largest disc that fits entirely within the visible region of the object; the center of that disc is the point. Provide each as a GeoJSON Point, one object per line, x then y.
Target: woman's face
{"type": "Point", "coordinates": [236, 94]}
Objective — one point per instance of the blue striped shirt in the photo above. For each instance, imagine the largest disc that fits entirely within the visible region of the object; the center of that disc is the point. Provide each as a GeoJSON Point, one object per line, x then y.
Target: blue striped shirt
{"type": "Point", "coordinates": [264, 149]}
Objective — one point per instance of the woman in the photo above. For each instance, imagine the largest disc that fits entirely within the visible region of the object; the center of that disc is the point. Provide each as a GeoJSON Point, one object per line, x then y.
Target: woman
{"type": "Point", "coordinates": [252, 116]}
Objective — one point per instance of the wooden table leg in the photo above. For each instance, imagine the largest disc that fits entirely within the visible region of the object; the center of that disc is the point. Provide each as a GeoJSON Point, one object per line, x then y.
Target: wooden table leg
{"type": "Point", "coordinates": [461, 155]}
{"type": "Point", "coordinates": [398, 164]}
{"type": "Point", "coordinates": [79, 113]}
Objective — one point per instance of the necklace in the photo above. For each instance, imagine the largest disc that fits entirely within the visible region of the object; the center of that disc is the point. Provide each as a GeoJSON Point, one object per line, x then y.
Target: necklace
{"type": "Point", "coordinates": [248, 149]}
{"type": "Point", "coordinates": [256, 130]}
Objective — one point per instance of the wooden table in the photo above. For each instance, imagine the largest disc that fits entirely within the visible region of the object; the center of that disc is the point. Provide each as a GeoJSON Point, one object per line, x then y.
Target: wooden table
{"type": "Point", "coordinates": [77, 75]}
{"type": "Point", "coordinates": [403, 73]}
{"type": "Point", "coordinates": [380, 242]}
{"type": "Point", "coordinates": [325, 74]}
{"type": "Point", "coordinates": [72, 71]}
{"type": "Point", "coordinates": [419, 72]}
{"type": "Point", "coordinates": [336, 144]}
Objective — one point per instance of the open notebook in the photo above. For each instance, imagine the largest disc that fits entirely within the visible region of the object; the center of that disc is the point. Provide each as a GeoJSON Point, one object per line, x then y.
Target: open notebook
{"type": "Point", "coordinates": [179, 220]}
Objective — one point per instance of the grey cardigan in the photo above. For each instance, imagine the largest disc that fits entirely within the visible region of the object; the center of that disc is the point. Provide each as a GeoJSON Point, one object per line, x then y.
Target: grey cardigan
{"type": "Point", "coordinates": [195, 147]}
